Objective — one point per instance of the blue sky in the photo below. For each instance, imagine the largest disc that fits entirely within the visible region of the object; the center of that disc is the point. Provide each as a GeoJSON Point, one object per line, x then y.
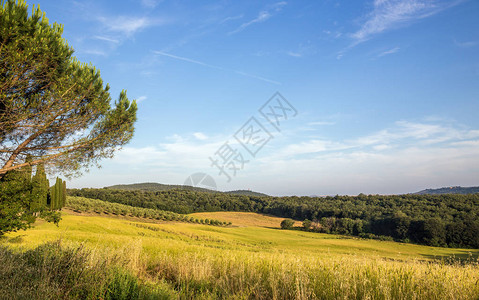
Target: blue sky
{"type": "Point", "coordinates": [386, 91]}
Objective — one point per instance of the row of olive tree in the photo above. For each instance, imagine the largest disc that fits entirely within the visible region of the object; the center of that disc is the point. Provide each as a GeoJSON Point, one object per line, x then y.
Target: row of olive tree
{"type": "Point", "coordinates": [81, 204]}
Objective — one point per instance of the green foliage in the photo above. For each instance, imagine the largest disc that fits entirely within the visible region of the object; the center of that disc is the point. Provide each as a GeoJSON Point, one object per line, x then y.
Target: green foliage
{"type": "Point", "coordinates": [51, 216]}
{"type": "Point", "coordinates": [40, 189]}
{"type": "Point", "coordinates": [287, 224]}
{"type": "Point", "coordinates": [15, 201]}
{"type": "Point", "coordinates": [307, 224]}
{"type": "Point", "coordinates": [58, 194]}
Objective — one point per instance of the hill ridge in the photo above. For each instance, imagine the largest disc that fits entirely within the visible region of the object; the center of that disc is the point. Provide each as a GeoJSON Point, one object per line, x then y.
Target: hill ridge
{"type": "Point", "coordinates": [154, 186]}
{"type": "Point", "coordinates": [450, 190]}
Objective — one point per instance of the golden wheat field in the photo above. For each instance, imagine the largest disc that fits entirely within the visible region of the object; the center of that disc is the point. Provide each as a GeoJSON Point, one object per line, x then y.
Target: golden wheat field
{"type": "Point", "coordinates": [254, 259]}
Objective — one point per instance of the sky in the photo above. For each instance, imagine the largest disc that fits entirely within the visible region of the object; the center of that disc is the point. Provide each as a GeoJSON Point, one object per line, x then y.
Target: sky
{"type": "Point", "coordinates": [287, 97]}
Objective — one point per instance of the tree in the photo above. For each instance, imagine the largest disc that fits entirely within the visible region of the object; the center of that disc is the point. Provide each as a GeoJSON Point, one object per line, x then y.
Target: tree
{"type": "Point", "coordinates": [54, 111]}
{"type": "Point", "coordinates": [15, 215]}
{"type": "Point", "coordinates": [40, 189]}
{"type": "Point", "coordinates": [307, 224]}
{"type": "Point", "coordinates": [53, 108]}
{"type": "Point", "coordinates": [287, 224]}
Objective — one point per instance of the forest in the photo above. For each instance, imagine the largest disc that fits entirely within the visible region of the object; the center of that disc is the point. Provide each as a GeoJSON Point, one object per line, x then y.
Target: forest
{"type": "Point", "coordinates": [449, 220]}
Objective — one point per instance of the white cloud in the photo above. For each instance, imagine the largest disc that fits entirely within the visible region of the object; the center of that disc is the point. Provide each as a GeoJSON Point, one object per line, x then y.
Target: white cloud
{"type": "Point", "coordinates": [390, 51]}
{"type": "Point", "coordinates": [262, 16]}
{"type": "Point", "coordinates": [405, 157]}
{"type": "Point", "coordinates": [294, 54]}
{"type": "Point", "coordinates": [126, 25]}
{"type": "Point", "coordinates": [200, 136]}
{"type": "Point", "coordinates": [141, 98]}
{"type": "Point", "coordinates": [402, 134]}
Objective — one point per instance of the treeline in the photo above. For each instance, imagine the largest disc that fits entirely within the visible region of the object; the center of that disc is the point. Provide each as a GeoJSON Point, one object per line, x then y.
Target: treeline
{"type": "Point", "coordinates": [437, 220]}
{"type": "Point", "coordinates": [80, 204]}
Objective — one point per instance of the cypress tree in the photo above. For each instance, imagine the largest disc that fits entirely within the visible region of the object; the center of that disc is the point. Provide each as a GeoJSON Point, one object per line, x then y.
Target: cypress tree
{"type": "Point", "coordinates": [53, 197]}
{"type": "Point", "coordinates": [40, 187]}
{"type": "Point", "coordinates": [64, 194]}
{"type": "Point", "coordinates": [58, 191]}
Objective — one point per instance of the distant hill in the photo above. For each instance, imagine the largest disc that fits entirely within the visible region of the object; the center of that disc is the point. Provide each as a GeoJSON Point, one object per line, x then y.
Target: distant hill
{"type": "Point", "coordinates": [154, 187]}
{"type": "Point", "coordinates": [450, 190]}
{"type": "Point", "coordinates": [246, 193]}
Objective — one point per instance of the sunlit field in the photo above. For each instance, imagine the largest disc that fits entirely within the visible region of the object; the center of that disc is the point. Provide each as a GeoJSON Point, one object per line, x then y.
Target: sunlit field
{"type": "Point", "coordinates": [255, 259]}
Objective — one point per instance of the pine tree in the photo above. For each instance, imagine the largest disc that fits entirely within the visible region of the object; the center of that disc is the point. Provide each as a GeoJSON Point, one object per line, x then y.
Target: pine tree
{"type": "Point", "coordinates": [53, 107]}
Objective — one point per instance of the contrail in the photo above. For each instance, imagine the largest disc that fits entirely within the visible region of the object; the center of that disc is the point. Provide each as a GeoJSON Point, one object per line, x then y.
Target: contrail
{"type": "Point", "coordinates": [215, 67]}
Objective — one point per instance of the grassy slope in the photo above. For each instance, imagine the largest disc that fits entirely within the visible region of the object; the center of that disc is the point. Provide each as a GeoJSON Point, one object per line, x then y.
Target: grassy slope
{"type": "Point", "coordinates": [254, 233]}
{"type": "Point", "coordinates": [192, 261]}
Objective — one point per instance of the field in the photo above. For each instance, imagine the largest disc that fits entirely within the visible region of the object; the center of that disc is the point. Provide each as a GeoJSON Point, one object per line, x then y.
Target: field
{"type": "Point", "coordinates": [255, 259]}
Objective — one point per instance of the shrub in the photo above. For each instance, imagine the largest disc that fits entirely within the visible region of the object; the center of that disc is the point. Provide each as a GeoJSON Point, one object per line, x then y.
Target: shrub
{"type": "Point", "coordinates": [287, 224]}
{"type": "Point", "coordinates": [307, 224]}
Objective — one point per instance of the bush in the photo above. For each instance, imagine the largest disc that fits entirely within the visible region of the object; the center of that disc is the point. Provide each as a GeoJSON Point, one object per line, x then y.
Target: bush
{"type": "Point", "coordinates": [307, 224]}
{"type": "Point", "coordinates": [287, 224]}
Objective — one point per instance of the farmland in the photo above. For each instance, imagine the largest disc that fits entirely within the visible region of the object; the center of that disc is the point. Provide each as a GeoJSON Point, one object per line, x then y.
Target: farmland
{"type": "Point", "coordinates": [253, 258]}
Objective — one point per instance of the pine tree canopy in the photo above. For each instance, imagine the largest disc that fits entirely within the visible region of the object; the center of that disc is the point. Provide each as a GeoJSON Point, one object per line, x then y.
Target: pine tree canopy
{"type": "Point", "coordinates": [53, 109]}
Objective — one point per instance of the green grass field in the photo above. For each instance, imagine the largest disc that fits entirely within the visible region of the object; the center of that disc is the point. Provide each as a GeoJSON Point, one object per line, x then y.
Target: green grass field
{"type": "Point", "coordinates": [253, 258]}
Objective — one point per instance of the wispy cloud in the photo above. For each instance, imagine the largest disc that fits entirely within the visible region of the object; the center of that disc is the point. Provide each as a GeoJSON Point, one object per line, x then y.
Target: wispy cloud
{"type": "Point", "coordinates": [402, 134]}
{"type": "Point", "coordinates": [215, 67]}
{"type": "Point", "coordinates": [387, 15]}
{"type": "Point", "coordinates": [187, 60]}
{"type": "Point", "coordinates": [262, 16]}
{"type": "Point", "coordinates": [106, 39]}
{"type": "Point", "coordinates": [126, 25]}
{"type": "Point", "coordinates": [141, 99]}
{"type": "Point", "coordinates": [388, 52]}
{"type": "Point", "coordinates": [294, 54]}
{"type": "Point", "coordinates": [467, 44]}
{"type": "Point", "coordinates": [302, 50]}
{"type": "Point", "coordinates": [227, 19]}
{"type": "Point", "coordinates": [390, 14]}
{"type": "Point", "coordinates": [91, 51]}
{"type": "Point", "coordinates": [150, 3]}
